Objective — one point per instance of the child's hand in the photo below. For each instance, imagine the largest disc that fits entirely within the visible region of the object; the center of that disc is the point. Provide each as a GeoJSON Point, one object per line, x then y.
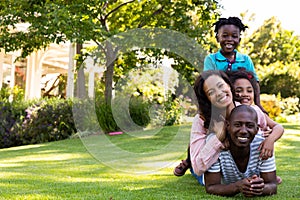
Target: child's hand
{"type": "Point", "coordinates": [267, 132]}
{"type": "Point", "coordinates": [266, 149]}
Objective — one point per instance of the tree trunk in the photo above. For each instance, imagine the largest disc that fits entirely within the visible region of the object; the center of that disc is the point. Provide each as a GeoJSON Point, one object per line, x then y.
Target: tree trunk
{"type": "Point", "coordinates": [110, 60]}
{"type": "Point", "coordinates": [81, 90]}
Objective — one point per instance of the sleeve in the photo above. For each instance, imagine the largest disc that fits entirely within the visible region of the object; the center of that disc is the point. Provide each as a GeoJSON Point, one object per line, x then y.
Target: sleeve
{"type": "Point", "coordinates": [216, 167]}
{"type": "Point", "coordinates": [251, 67]}
{"type": "Point", "coordinates": [268, 165]}
{"type": "Point", "coordinates": [261, 117]}
{"type": "Point", "coordinates": [203, 151]}
{"type": "Point", "coordinates": [209, 64]}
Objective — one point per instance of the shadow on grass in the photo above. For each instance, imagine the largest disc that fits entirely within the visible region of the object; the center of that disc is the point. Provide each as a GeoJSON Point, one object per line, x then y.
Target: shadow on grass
{"type": "Point", "coordinates": [66, 170]}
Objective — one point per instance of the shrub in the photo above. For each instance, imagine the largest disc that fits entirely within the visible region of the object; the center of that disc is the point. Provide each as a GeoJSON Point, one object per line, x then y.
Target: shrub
{"type": "Point", "coordinates": [12, 114]}
{"type": "Point", "coordinates": [84, 115]}
{"type": "Point", "coordinates": [277, 77]}
{"type": "Point", "coordinates": [105, 116]}
{"type": "Point", "coordinates": [278, 83]}
{"type": "Point", "coordinates": [49, 120]}
{"type": "Point", "coordinates": [36, 121]}
{"type": "Point", "coordinates": [172, 111]}
{"type": "Point", "coordinates": [271, 104]}
{"type": "Point", "coordinates": [127, 114]}
{"type": "Point", "coordinates": [139, 111]}
{"type": "Point", "coordinates": [290, 105]}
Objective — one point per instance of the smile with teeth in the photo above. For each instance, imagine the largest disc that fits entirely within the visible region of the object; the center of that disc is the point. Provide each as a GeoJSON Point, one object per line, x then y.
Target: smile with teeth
{"type": "Point", "coordinates": [222, 99]}
{"type": "Point", "coordinates": [245, 99]}
{"type": "Point", "coordinates": [242, 139]}
{"type": "Point", "coordinates": [228, 45]}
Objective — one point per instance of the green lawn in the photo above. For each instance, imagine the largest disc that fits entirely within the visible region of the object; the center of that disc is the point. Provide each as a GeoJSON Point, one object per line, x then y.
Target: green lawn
{"type": "Point", "coordinates": [111, 167]}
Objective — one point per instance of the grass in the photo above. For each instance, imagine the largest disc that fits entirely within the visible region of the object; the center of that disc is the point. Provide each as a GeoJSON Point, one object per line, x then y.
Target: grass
{"type": "Point", "coordinates": [92, 168]}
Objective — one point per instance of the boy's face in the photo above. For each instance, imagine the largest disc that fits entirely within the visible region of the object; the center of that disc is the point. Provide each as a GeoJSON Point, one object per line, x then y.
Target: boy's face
{"type": "Point", "coordinates": [242, 128]}
{"type": "Point", "coordinates": [228, 37]}
{"type": "Point", "coordinates": [244, 91]}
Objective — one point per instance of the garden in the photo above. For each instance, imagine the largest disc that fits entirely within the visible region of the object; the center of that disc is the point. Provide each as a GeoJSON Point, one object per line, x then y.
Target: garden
{"type": "Point", "coordinates": [125, 141]}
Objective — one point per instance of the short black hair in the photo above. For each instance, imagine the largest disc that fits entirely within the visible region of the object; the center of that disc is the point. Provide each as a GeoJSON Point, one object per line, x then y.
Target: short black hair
{"type": "Point", "coordinates": [244, 108]}
{"type": "Point", "coordinates": [229, 21]}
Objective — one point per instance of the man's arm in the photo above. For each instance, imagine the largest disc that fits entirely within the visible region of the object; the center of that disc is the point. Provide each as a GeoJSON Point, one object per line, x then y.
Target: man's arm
{"type": "Point", "coordinates": [270, 187]}
{"type": "Point", "coordinates": [249, 187]}
{"type": "Point", "coordinates": [213, 185]}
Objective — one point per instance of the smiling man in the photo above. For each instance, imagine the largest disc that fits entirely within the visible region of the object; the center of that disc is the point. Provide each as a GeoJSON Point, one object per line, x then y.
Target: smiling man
{"type": "Point", "coordinates": [239, 169]}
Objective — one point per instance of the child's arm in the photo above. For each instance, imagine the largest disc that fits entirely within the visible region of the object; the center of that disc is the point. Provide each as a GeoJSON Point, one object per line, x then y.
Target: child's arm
{"type": "Point", "coordinates": [267, 146]}
{"type": "Point", "coordinates": [204, 152]}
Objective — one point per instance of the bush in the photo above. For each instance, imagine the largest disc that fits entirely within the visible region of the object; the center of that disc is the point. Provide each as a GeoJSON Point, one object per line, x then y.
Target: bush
{"type": "Point", "coordinates": [84, 115]}
{"type": "Point", "coordinates": [173, 111]}
{"type": "Point", "coordinates": [290, 105]}
{"type": "Point", "coordinates": [12, 114]}
{"type": "Point", "coordinates": [139, 111]}
{"type": "Point", "coordinates": [49, 120]}
{"type": "Point", "coordinates": [37, 121]}
{"type": "Point", "coordinates": [126, 115]}
{"type": "Point", "coordinates": [105, 116]}
{"type": "Point", "coordinates": [278, 83]}
{"type": "Point", "coordinates": [271, 104]}
{"type": "Point", "coordinates": [277, 77]}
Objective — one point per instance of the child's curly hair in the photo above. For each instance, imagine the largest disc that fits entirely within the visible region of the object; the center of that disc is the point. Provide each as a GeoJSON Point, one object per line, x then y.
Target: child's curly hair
{"type": "Point", "coordinates": [229, 21]}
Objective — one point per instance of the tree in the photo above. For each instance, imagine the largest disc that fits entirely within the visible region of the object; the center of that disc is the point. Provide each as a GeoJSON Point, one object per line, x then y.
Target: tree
{"type": "Point", "coordinates": [79, 21]}
{"type": "Point", "coordinates": [271, 43]}
{"type": "Point", "coordinates": [275, 54]}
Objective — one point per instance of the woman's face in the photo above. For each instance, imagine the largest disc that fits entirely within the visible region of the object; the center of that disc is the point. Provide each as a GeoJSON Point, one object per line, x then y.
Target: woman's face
{"type": "Point", "coordinates": [217, 91]}
{"type": "Point", "coordinates": [244, 91]}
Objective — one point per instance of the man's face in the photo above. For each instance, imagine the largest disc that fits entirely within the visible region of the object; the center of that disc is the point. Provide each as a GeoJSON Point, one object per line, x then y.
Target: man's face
{"type": "Point", "coordinates": [242, 128]}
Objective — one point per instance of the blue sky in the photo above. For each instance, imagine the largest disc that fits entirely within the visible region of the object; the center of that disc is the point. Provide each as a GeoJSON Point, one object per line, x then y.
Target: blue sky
{"type": "Point", "coordinates": [286, 11]}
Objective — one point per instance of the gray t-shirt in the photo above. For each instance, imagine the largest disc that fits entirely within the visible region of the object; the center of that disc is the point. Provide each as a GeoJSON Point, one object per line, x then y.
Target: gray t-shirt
{"type": "Point", "coordinates": [229, 170]}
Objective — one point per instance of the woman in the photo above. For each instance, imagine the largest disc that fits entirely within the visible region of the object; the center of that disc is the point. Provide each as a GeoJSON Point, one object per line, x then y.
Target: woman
{"type": "Point", "coordinates": [214, 95]}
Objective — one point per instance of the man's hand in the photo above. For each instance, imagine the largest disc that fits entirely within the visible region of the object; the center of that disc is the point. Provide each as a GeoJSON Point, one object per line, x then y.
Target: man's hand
{"type": "Point", "coordinates": [252, 186]}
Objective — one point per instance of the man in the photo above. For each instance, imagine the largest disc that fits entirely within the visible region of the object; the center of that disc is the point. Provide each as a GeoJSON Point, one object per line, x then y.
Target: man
{"type": "Point", "coordinates": [239, 169]}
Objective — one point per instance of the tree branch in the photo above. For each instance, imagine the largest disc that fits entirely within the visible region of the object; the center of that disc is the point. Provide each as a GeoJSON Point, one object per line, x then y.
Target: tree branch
{"type": "Point", "coordinates": [158, 11]}
{"type": "Point", "coordinates": [116, 8]}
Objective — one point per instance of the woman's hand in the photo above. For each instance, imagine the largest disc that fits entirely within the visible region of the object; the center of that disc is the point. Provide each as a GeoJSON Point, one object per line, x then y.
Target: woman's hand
{"type": "Point", "coordinates": [219, 128]}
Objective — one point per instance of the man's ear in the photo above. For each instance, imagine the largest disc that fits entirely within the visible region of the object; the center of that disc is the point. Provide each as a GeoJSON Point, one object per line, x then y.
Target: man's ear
{"type": "Point", "coordinates": [227, 124]}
